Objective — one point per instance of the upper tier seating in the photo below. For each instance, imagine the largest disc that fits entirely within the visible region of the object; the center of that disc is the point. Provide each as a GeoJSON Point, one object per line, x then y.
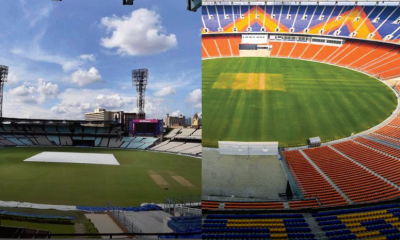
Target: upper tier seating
{"type": "Point", "coordinates": [365, 22]}
{"type": "Point", "coordinates": [178, 147]}
{"type": "Point", "coordinates": [185, 133]}
{"type": "Point", "coordinates": [172, 133]}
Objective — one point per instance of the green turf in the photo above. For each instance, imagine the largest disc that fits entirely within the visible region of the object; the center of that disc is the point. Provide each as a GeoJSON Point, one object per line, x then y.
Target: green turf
{"type": "Point", "coordinates": [94, 185]}
{"type": "Point", "coordinates": [53, 228]}
{"type": "Point", "coordinates": [319, 100]}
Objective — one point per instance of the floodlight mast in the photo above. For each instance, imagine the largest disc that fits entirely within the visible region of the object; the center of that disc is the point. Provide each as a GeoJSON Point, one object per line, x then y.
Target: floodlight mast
{"type": "Point", "coordinates": [3, 79]}
{"type": "Point", "coordinates": [139, 79]}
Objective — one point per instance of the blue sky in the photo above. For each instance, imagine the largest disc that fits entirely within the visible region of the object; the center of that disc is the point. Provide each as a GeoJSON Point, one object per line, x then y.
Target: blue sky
{"type": "Point", "coordinates": [67, 58]}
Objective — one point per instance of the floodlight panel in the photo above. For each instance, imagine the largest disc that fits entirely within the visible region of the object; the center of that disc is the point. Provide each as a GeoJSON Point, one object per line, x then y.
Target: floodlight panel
{"type": "Point", "coordinates": [3, 73]}
{"type": "Point", "coordinates": [140, 74]}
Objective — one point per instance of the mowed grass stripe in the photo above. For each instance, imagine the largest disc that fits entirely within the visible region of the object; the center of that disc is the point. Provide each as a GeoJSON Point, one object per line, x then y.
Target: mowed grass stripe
{"type": "Point", "coordinates": [320, 100]}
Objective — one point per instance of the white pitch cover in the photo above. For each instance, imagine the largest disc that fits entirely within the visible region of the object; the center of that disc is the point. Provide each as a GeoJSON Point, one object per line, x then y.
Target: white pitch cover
{"type": "Point", "coordinates": [68, 157]}
{"type": "Point", "coordinates": [248, 148]}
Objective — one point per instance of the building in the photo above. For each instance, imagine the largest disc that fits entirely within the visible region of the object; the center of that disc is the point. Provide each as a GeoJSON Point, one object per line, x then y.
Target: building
{"type": "Point", "coordinates": [117, 117]}
{"type": "Point", "coordinates": [196, 121]}
{"type": "Point", "coordinates": [171, 122]}
{"type": "Point", "coordinates": [127, 117]}
{"type": "Point", "coordinates": [99, 115]}
{"type": "Point", "coordinates": [188, 121]}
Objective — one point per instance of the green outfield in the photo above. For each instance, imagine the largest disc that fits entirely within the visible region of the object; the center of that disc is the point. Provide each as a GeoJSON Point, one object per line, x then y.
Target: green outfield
{"type": "Point", "coordinates": [142, 177]}
{"type": "Point", "coordinates": [287, 100]}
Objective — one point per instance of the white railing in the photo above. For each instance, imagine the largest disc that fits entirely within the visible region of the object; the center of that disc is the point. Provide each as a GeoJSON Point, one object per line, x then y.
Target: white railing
{"type": "Point", "coordinates": [120, 216]}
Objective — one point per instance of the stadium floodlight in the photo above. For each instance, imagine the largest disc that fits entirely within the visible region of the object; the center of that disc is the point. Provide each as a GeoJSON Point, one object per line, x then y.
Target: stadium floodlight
{"type": "Point", "coordinates": [139, 79]}
{"type": "Point", "coordinates": [3, 79]}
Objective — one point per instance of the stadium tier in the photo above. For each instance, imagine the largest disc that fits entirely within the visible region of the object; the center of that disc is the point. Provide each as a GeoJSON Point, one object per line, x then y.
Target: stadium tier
{"type": "Point", "coordinates": [375, 22]}
{"type": "Point", "coordinates": [358, 170]}
{"type": "Point", "coordinates": [77, 135]}
{"type": "Point", "coordinates": [265, 226]}
{"type": "Point", "coordinates": [306, 203]}
{"type": "Point", "coordinates": [185, 224]}
{"type": "Point", "coordinates": [373, 58]}
{"type": "Point", "coordinates": [379, 221]}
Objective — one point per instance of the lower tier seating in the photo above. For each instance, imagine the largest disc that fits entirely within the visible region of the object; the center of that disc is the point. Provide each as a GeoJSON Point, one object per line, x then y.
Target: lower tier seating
{"type": "Point", "coordinates": [265, 226]}
{"type": "Point", "coordinates": [355, 223]}
{"type": "Point", "coordinates": [310, 181]}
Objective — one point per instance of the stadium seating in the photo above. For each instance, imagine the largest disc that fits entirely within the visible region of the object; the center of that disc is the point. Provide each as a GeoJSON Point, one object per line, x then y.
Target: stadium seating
{"type": "Point", "coordinates": [380, 60]}
{"type": "Point", "coordinates": [185, 133]}
{"type": "Point", "coordinates": [376, 221]}
{"type": "Point", "coordinates": [186, 224]}
{"type": "Point", "coordinates": [311, 182]}
{"type": "Point", "coordinates": [51, 129]}
{"type": "Point", "coordinates": [294, 204]}
{"type": "Point", "coordinates": [66, 140]}
{"type": "Point", "coordinates": [183, 147]}
{"type": "Point", "coordinates": [210, 205]}
{"type": "Point", "coordinates": [61, 135]}
{"type": "Point", "coordinates": [386, 166]}
{"type": "Point", "coordinates": [264, 226]}
{"type": "Point", "coordinates": [357, 183]}
{"type": "Point", "coordinates": [376, 22]}
{"type": "Point", "coordinates": [378, 146]}
{"type": "Point", "coordinates": [54, 139]}
{"type": "Point", "coordinates": [257, 205]}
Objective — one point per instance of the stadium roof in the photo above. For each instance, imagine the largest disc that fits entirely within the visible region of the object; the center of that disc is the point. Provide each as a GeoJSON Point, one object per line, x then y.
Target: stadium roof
{"type": "Point", "coordinates": [50, 121]}
{"type": "Point", "coordinates": [295, 2]}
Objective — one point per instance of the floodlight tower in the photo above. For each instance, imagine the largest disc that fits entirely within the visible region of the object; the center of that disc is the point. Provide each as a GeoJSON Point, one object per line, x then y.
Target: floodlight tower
{"type": "Point", "coordinates": [3, 79]}
{"type": "Point", "coordinates": [139, 79]}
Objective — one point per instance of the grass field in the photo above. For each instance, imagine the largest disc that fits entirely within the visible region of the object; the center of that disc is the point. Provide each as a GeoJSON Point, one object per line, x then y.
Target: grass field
{"type": "Point", "coordinates": [286, 100]}
{"type": "Point", "coordinates": [129, 184]}
{"type": "Point", "coordinates": [53, 228]}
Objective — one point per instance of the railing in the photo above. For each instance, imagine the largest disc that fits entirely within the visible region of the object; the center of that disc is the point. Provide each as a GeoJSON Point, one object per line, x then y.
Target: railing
{"type": "Point", "coordinates": [120, 216]}
{"type": "Point", "coordinates": [186, 211]}
{"type": "Point", "coordinates": [172, 205]}
{"type": "Point", "coordinates": [111, 235]}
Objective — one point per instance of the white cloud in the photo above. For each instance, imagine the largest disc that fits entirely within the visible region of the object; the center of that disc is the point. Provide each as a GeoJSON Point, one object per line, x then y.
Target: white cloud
{"type": "Point", "coordinates": [34, 94]}
{"type": "Point", "coordinates": [36, 12]}
{"type": "Point", "coordinates": [12, 79]}
{"type": "Point", "coordinates": [175, 113]}
{"type": "Point", "coordinates": [183, 80]}
{"type": "Point", "coordinates": [23, 91]}
{"type": "Point", "coordinates": [194, 98]}
{"type": "Point", "coordinates": [84, 77]}
{"type": "Point", "coordinates": [14, 107]}
{"type": "Point", "coordinates": [74, 103]}
{"type": "Point", "coordinates": [115, 101]}
{"type": "Point", "coordinates": [47, 89]}
{"type": "Point", "coordinates": [165, 92]}
{"type": "Point", "coordinates": [88, 57]}
{"type": "Point", "coordinates": [139, 34]}
{"type": "Point", "coordinates": [35, 53]}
